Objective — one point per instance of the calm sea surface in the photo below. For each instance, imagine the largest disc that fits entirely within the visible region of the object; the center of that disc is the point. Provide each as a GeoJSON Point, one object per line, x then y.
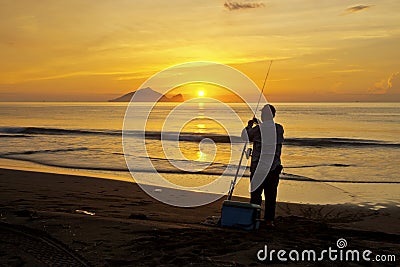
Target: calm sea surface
{"type": "Point", "coordinates": [336, 145]}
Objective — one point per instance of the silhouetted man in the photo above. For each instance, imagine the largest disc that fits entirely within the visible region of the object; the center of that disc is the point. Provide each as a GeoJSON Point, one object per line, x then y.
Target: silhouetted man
{"type": "Point", "coordinates": [267, 148]}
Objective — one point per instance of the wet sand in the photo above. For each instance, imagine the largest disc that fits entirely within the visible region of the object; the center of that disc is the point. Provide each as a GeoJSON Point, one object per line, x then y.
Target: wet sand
{"type": "Point", "coordinates": [114, 223]}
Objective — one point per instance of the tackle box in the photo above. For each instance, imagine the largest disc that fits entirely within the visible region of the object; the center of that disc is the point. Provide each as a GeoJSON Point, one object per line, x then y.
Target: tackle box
{"type": "Point", "coordinates": [240, 215]}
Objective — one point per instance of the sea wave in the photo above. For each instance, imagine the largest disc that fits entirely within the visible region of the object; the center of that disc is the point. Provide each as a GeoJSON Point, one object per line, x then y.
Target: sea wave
{"type": "Point", "coordinates": [30, 152]}
{"type": "Point", "coordinates": [336, 142]}
{"type": "Point", "coordinates": [54, 131]}
{"type": "Point", "coordinates": [153, 135]}
{"type": "Point", "coordinates": [194, 137]}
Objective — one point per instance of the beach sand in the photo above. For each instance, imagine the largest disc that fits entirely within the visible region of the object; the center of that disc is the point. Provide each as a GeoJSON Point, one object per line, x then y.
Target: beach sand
{"type": "Point", "coordinates": [114, 223]}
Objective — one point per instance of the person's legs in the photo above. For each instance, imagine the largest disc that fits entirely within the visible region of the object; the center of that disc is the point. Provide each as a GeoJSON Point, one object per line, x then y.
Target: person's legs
{"type": "Point", "coordinates": [256, 195]}
{"type": "Point", "coordinates": [270, 193]}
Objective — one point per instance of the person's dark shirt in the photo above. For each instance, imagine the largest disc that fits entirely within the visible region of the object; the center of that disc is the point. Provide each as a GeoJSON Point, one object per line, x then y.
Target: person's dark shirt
{"type": "Point", "coordinates": [254, 136]}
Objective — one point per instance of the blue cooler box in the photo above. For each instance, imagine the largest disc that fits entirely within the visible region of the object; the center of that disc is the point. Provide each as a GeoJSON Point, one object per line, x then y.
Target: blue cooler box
{"type": "Point", "coordinates": [240, 215]}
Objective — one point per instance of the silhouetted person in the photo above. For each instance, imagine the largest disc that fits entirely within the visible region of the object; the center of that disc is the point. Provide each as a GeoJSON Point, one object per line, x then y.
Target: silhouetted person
{"type": "Point", "coordinates": [267, 149]}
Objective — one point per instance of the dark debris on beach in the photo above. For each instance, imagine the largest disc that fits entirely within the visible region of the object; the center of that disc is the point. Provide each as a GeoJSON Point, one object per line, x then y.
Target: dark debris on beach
{"type": "Point", "coordinates": [134, 242]}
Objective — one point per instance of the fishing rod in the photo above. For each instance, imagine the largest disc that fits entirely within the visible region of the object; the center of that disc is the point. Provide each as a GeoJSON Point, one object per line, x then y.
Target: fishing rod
{"type": "Point", "coordinates": [262, 90]}
{"type": "Point", "coordinates": [233, 183]}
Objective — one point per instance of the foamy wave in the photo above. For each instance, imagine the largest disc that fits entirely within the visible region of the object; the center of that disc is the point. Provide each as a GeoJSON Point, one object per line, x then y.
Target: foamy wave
{"type": "Point", "coordinates": [195, 137]}
{"type": "Point", "coordinates": [336, 142]}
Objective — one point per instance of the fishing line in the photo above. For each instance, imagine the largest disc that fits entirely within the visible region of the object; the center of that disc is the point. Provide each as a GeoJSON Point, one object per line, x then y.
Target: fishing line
{"type": "Point", "coordinates": [233, 183]}
{"type": "Point", "coordinates": [318, 181]}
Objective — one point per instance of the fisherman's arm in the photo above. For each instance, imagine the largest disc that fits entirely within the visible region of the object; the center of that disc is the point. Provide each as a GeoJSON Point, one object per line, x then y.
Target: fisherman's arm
{"type": "Point", "coordinates": [249, 132]}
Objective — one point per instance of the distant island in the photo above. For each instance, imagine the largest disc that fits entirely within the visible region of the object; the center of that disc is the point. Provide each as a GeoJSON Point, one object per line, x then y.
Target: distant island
{"type": "Point", "coordinates": [147, 95]}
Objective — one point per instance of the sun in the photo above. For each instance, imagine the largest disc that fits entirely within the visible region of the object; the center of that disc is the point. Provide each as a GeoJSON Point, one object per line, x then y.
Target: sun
{"type": "Point", "coordinates": [201, 93]}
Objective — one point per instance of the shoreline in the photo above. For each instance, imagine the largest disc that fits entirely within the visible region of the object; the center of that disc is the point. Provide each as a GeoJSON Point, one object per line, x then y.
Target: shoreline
{"type": "Point", "coordinates": [126, 223]}
{"type": "Point", "coordinates": [373, 195]}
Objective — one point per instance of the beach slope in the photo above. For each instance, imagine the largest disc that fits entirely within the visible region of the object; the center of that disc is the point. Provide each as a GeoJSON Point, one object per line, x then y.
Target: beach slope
{"type": "Point", "coordinates": [114, 223]}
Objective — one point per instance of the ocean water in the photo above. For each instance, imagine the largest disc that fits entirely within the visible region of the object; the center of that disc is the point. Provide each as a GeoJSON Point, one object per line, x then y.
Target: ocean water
{"type": "Point", "coordinates": [350, 149]}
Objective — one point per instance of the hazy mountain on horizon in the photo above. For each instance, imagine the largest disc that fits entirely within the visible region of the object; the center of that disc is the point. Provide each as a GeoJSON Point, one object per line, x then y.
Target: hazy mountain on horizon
{"type": "Point", "coordinates": [147, 95]}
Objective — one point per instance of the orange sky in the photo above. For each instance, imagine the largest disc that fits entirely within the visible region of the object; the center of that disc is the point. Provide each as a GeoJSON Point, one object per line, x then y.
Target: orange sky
{"type": "Point", "coordinates": [96, 50]}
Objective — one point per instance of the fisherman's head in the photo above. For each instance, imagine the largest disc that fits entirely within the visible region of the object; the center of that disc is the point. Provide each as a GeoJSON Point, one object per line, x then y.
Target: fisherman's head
{"type": "Point", "coordinates": [267, 111]}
